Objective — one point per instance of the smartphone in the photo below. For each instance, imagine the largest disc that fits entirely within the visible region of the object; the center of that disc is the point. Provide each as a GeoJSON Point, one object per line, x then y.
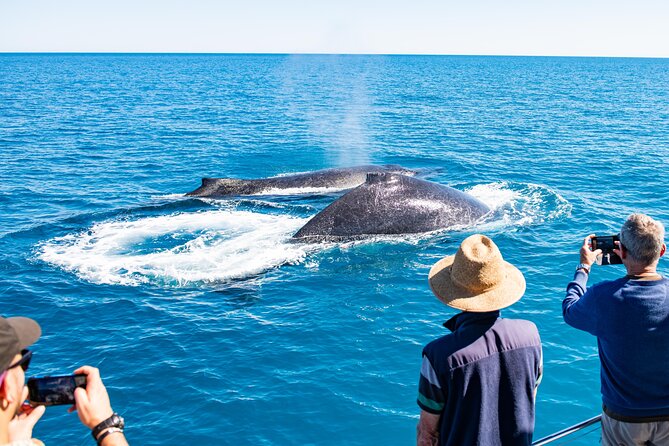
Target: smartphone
{"type": "Point", "coordinates": [54, 390]}
{"type": "Point", "coordinates": [607, 244]}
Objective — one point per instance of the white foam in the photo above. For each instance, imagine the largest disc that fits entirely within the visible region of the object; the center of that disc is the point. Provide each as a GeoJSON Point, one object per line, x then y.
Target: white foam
{"type": "Point", "coordinates": [520, 204]}
{"type": "Point", "coordinates": [170, 197]}
{"type": "Point", "coordinates": [494, 195]}
{"type": "Point", "coordinates": [212, 246]}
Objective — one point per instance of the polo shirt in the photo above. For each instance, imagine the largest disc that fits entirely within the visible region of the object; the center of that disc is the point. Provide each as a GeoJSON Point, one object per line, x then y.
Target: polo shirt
{"type": "Point", "coordinates": [481, 379]}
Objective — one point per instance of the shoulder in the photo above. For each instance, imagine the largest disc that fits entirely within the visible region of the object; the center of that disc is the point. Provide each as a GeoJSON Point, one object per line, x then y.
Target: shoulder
{"type": "Point", "coordinates": [442, 346]}
{"type": "Point", "coordinates": [518, 332]}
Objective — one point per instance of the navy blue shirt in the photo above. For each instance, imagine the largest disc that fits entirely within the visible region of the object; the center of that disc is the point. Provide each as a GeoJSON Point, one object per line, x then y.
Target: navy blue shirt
{"type": "Point", "coordinates": [631, 321]}
{"type": "Point", "coordinates": [481, 379]}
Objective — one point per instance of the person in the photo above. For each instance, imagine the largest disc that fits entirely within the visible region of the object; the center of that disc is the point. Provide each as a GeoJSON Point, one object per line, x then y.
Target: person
{"type": "Point", "coordinates": [478, 384]}
{"type": "Point", "coordinates": [17, 420]}
{"type": "Point", "coordinates": [630, 318]}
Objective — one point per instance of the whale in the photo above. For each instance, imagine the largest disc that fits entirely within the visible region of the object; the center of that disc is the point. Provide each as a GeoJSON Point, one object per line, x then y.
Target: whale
{"type": "Point", "coordinates": [388, 203]}
{"type": "Point", "coordinates": [336, 178]}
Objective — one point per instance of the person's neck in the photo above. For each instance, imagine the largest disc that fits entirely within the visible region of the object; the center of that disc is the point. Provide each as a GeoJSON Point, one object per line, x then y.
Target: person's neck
{"type": "Point", "coordinates": [642, 271]}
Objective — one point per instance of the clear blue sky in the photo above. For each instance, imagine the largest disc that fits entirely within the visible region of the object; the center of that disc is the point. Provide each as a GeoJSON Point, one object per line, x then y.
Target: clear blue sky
{"type": "Point", "coordinates": [507, 27]}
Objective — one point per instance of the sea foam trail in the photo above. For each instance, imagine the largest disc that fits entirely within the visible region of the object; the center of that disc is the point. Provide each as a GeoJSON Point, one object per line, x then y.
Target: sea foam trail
{"type": "Point", "coordinates": [201, 247]}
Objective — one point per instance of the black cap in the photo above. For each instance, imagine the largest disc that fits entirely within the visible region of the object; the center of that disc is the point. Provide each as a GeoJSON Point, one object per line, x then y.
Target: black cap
{"type": "Point", "coordinates": [16, 333]}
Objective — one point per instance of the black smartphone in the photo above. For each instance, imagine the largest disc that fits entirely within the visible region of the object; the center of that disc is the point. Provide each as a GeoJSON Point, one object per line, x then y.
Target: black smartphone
{"type": "Point", "coordinates": [54, 390]}
{"type": "Point", "coordinates": [607, 244]}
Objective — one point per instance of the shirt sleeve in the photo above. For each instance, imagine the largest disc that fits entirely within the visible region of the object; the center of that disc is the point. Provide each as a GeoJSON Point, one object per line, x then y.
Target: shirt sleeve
{"type": "Point", "coordinates": [578, 307]}
{"type": "Point", "coordinates": [431, 396]}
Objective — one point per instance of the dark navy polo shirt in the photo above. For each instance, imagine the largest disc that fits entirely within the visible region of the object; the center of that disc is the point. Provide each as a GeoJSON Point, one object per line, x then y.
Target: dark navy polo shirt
{"type": "Point", "coordinates": [482, 380]}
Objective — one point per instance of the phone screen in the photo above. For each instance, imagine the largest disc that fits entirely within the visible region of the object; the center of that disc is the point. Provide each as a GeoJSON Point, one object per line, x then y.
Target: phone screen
{"type": "Point", "coordinates": [54, 390]}
{"type": "Point", "coordinates": [607, 245]}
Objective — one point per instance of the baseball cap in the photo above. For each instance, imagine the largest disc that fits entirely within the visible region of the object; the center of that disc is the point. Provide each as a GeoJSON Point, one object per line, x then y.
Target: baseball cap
{"type": "Point", "coordinates": [16, 333]}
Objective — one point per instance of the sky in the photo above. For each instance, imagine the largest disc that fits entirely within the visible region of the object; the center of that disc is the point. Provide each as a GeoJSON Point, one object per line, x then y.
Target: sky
{"type": "Point", "coordinates": [472, 27]}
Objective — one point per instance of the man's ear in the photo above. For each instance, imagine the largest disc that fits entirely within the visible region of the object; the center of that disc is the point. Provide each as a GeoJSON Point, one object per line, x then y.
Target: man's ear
{"type": "Point", "coordinates": [623, 251]}
{"type": "Point", "coordinates": [7, 389]}
{"type": "Point", "coordinates": [663, 250]}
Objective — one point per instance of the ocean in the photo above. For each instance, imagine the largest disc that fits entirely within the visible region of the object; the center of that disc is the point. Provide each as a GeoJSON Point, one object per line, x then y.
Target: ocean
{"type": "Point", "coordinates": [209, 326]}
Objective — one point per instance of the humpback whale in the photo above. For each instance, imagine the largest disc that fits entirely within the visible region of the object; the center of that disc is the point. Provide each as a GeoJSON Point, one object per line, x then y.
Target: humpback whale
{"type": "Point", "coordinates": [339, 178]}
{"type": "Point", "coordinates": [388, 203]}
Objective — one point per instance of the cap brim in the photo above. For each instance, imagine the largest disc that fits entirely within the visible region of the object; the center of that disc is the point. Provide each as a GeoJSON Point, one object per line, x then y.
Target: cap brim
{"type": "Point", "coordinates": [503, 295]}
{"type": "Point", "coordinates": [27, 330]}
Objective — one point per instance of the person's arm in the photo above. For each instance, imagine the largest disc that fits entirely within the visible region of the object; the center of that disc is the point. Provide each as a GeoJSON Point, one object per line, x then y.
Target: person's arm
{"type": "Point", "coordinates": [540, 373]}
{"type": "Point", "coordinates": [93, 406]}
{"type": "Point", "coordinates": [428, 429]}
{"type": "Point", "coordinates": [431, 400]}
{"type": "Point", "coordinates": [578, 306]}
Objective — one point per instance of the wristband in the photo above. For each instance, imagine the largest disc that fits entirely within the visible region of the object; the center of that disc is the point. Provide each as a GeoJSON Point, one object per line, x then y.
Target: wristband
{"type": "Point", "coordinates": [115, 421]}
{"type": "Point", "coordinates": [111, 430]}
{"type": "Point", "coordinates": [584, 267]}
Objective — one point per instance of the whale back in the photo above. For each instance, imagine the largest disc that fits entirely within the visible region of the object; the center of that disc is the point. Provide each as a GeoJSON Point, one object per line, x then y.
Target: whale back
{"type": "Point", "coordinates": [214, 187]}
{"type": "Point", "coordinates": [389, 203]}
{"type": "Point", "coordinates": [336, 178]}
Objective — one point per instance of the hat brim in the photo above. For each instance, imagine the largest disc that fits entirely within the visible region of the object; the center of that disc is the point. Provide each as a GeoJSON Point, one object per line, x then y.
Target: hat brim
{"type": "Point", "coordinates": [509, 291]}
{"type": "Point", "coordinates": [27, 330]}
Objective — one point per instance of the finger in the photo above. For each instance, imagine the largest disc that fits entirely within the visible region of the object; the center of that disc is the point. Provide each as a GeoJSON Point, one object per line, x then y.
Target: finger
{"type": "Point", "coordinates": [35, 415]}
{"type": "Point", "coordinates": [587, 242]}
{"type": "Point", "coordinates": [86, 370]}
{"type": "Point", "coordinates": [92, 376]}
{"type": "Point", "coordinates": [80, 398]}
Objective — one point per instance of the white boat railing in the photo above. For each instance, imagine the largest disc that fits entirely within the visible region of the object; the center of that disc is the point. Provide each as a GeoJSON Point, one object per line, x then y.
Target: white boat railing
{"type": "Point", "coordinates": [570, 430]}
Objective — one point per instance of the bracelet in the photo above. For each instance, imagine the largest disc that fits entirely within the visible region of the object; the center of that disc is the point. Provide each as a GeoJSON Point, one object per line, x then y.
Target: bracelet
{"type": "Point", "coordinates": [111, 430]}
{"type": "Point", "coordinates": [114, 421]}
{"type": "Point", "coordinates": [584, 267]}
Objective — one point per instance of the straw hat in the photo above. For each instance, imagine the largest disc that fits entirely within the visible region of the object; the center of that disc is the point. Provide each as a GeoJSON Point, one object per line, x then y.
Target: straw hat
{"type": "Point", "coordinates": [476, 278]}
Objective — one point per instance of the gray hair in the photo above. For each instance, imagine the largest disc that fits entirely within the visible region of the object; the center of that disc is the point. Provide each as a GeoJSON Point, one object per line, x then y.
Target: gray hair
{"type": "Point", "coordinates": [642, 237]}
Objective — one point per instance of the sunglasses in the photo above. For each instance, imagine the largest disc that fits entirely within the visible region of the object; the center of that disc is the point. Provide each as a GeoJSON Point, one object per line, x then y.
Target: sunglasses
{"type": "Point", "coordinates": [24, 362]}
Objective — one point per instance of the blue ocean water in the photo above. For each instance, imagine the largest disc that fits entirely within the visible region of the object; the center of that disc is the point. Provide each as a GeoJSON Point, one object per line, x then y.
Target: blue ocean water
{"type": "Point", "coordinates": [208, 327]}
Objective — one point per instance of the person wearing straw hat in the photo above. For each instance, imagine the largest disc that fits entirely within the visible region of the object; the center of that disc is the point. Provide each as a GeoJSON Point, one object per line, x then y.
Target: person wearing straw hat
{"type": "Point", "coordinates": [478, 384]}
{"type": "Point", "coordinates": [18, 420]}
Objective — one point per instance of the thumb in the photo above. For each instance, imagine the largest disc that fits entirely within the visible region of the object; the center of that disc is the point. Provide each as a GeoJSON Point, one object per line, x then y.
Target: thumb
{"type": "Point", "coordinates": [597, 252]}
{"type": "Point", "coordinates": [81, 398]}
{"type": "Point", "coordinates": [35, 415]}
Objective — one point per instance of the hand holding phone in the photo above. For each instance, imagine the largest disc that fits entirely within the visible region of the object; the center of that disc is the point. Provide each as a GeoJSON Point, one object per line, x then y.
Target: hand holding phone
{"type": "Point", "coordinates": [588, 255]}
{"type": "Point", "coordinates": [92, 401]}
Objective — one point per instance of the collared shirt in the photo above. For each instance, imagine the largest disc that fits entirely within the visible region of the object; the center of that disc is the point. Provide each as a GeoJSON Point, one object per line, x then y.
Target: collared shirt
{"type": "Point", "coordinates": [631, 321]}
{"type": "Point", "coordinates": [482, 380]}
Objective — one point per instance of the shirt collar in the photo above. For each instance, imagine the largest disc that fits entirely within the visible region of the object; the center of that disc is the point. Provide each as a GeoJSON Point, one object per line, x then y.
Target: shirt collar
{"type": "Point", "coordinates": [466, 318]}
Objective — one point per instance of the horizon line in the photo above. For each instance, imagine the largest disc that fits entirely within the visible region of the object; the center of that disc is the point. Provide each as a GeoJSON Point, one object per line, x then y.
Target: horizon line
{"type": "Point", "coordinates": [237, 53]}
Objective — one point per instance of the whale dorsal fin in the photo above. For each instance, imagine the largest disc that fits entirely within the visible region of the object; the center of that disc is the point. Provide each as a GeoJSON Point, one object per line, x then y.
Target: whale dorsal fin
{"type": "Point", "coordinates": [219, 181]}
{"type": "Point", "coordinates": [382, 177]}
{"type": "Point", "coordinates": [377, 177]}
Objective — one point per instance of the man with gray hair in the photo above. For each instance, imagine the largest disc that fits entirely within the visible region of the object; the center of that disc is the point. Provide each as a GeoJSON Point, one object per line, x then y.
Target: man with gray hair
{"type": "Point", "coordinates": [630, 317]}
